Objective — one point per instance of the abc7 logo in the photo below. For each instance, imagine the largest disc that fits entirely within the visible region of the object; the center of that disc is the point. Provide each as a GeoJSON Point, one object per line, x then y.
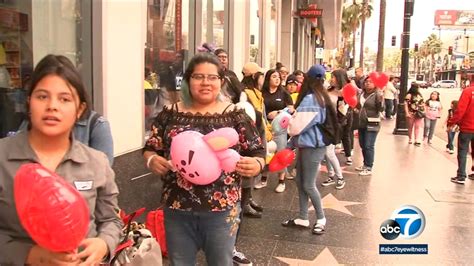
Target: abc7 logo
{"type": "Point", "coordinates": [407, 221]}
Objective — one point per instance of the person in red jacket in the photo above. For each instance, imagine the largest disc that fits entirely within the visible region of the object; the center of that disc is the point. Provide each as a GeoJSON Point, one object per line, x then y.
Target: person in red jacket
{"type": "Point", "coordinates": [464, 117]}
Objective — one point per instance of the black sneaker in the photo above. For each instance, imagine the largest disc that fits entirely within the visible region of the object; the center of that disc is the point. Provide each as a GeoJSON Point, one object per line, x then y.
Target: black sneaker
{"type": "Point", "coordinates": [255, 205]}
{"type": "Point", "coordinates": [239, 259]}
{"type": "Point", "coordinates": [458, 180]}
{"type": "Point", "coordinates": [340, 183]}
{"type": "Point", "coordinates": [471, 176]}
{"type": "Point", "coordinates": [251, 212]}
{"type": "Point", "coordinates": [328, 182]}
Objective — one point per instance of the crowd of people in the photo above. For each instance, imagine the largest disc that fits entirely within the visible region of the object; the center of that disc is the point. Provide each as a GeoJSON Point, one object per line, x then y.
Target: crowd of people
{"type": "Point", "coordinates": [65, 136]}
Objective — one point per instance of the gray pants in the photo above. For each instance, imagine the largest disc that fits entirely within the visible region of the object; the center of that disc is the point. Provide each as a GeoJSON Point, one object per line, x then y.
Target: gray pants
{"type": "Point", "coordinates": [333, 165]}
{"type": "Point", "coordinates": [430, 125]}
{"type": "Point", "coordinates": [307, 170]}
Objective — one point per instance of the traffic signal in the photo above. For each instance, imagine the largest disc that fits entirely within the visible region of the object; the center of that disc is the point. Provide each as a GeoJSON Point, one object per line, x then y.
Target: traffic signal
{"type": "Point", "coordinates": [416, 47]}
{"type": "Point", "coordinates": [450, 50]}
{"type": "Point", "coordinates": [394, 40]}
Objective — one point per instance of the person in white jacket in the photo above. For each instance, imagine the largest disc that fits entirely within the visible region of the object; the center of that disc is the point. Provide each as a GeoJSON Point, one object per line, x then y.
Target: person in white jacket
{"type": "Point", "coordinates": [389, 93]}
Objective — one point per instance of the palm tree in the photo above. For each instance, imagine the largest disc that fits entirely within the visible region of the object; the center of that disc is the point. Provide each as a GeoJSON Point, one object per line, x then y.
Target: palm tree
{"type": "Point", "coordinates": [353, 19]}
{"type": "Point", "coordinates": [365, 13]}
{"type": "Point", "coordinates": [346, 31]}
{"type": "Point", "coordinates": [379, 65]}
{"type": "Point", "coordinates": [430, 47]}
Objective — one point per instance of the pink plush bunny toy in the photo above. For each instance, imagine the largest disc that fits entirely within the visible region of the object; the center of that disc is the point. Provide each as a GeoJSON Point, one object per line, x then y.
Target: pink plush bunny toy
{"type": "Point", "coordinates": [200, 159]}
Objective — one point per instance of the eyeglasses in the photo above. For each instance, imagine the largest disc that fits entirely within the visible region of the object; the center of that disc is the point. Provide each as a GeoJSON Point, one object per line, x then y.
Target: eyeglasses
{"type": "Point", "coordinates": [209, 77]}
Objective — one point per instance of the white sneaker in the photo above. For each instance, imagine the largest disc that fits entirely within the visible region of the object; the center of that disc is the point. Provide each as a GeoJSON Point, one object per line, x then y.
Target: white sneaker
{"type": "Point", "coordinates": [349, 160]}
{"type": "Point", "coordinates": [239, 259]}
{"type": "Point", "coordinates": [289, 176]}
{"type": "Point", "coordinates": [451, 151]}
{"type": "Point", "coordinates": [360, 168]}
{"type": "Point", "coordinates": [365, 172]}
{"type": "Point", "coordinates": [260, 185]}
{"type": "Point", "coordinates": [280, 188]}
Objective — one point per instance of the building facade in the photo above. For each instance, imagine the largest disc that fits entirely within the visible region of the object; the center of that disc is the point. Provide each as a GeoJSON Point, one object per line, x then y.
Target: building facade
{"type": "Point", "coordinates": [117, 44]}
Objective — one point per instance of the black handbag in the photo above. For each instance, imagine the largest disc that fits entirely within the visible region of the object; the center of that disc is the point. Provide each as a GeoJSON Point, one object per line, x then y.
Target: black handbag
{"type": "Point", "coordinates": [373, 123]}
{"type": "Point", "coordinates": [420, 114]}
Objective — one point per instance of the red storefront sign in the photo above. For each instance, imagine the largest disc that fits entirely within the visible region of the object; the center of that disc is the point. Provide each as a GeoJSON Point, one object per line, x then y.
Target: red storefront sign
{"type": "Point", "coordinates": [310, 13]}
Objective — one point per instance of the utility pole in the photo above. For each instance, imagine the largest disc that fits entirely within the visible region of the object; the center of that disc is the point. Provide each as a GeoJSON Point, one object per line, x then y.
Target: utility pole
{"type": "Point", "coordinates": [401, 123]}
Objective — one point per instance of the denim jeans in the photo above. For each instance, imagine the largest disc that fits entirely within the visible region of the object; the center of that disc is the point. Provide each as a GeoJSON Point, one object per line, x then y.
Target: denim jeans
{"type": "Point", "coordinates": [307, 170]}
{"type": "Point", "coordinates": [451, 136]}
{"type": "Point", "coordinates": [367, 144]}
{"type": "Point", "coordinates": [388, 108]}
{"type": "Point", "coordinates": [430, 125]}
{"type": "Point", "coordinates": [214, 232]}
{"type": "Point", "coordinates": [464, 139]}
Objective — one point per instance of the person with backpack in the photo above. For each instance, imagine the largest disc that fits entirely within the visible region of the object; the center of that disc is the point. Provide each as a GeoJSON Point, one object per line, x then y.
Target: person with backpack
{"type": "Point", "coordinates": [57, 98]}
{"type": "Point", "coordinates": [369, 106]}
{"type": "Point", "coordinates": [307, 137]}
{"type": "Point", "coordinates": [344, 119]}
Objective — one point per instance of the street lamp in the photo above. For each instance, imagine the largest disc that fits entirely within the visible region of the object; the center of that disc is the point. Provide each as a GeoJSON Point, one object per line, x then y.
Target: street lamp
{"type": "Point", "coordinates": [401, 123]}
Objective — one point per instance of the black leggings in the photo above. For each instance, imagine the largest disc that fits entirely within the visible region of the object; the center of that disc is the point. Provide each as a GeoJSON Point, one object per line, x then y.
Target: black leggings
{"type": "Point", "coordinates": [347, 136]}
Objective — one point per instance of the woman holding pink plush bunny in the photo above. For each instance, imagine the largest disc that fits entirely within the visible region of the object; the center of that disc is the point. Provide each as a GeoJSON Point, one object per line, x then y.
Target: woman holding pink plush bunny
{"type": "Point", "coordinates": [202, 216]}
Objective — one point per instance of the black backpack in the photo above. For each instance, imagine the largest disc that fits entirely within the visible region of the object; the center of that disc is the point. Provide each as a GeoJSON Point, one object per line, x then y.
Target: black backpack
{"type": "Point", "coordinates": [330, 129]}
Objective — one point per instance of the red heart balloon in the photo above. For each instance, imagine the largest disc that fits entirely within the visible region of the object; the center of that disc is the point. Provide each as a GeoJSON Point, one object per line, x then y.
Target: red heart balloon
{"type": "Point", "coordinates": [349, 91]}
{"type": "Point", "coordinates": [379, 79]}
{"type": "Point", "coordinates": [281, 160]}
{"type": "Point", "coordinates": [54, 213]}
{"type": "Point", "coordinates": [352, 102]}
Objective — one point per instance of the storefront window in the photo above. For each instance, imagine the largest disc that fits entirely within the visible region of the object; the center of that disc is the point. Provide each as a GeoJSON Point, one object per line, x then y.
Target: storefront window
{"type": "Point", "coordinates": [255, 16]}
{"type": "Point", "coordinates": [59, 28]}
{"type": "Point", "coordinates": [273, 33]}
{"type": "Point", "coordinates": [166, 54]}
{"type": "Point", "coordinates": [213, 22]}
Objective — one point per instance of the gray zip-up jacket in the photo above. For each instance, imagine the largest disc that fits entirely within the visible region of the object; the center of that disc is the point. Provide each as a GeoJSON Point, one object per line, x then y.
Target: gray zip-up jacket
{"type": "Point", "coordinates": [84, 168]}
{"type": "Point", "coordinates": [372, 107]}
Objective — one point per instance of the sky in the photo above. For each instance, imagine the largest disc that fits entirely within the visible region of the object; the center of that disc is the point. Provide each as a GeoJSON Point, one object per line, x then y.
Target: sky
{"type": "Point", "coordinates": [422, 21]}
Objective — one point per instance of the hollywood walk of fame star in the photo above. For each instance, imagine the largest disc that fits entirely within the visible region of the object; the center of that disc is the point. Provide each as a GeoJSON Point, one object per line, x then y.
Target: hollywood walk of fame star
{"type": "Point", "coordinates": [330, 202]}
{"type": "Point", "coordinates": [324, 258]}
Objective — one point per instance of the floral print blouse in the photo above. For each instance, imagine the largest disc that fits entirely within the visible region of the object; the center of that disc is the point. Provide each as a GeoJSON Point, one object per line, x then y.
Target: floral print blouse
{"type": "Point", "coordinates": [415, 103]}
{"type": "Point", "coordinates": [224, 193]}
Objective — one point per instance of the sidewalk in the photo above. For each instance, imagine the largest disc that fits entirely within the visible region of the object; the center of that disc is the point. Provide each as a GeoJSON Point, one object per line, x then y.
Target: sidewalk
{"type": "Point", "coordinates": [403, 174]}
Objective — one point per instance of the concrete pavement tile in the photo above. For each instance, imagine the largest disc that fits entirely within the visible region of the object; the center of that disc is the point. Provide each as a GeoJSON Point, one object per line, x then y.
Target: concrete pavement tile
{"type": "Point", "coordinates": [256, 249]}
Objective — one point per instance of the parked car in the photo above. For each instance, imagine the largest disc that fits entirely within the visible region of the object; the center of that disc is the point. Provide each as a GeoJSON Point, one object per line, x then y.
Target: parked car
{"type": "Point", "coordinates": [445, 84]}
{"type": "Point", "coordinates": [422, 84]}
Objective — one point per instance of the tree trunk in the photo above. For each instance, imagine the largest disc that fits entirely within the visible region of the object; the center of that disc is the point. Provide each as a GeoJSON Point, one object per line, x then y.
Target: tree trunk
{"type": "Point", "coordinates": [353, 48]}
{"type": "Point", "coordinates": [362, 33]}
{"type": "Point", "coordinates": [381, 41]}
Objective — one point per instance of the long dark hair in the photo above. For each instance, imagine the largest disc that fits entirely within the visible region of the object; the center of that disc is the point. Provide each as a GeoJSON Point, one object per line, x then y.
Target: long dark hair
{"type": "Point", "coordinates": [341, 78]}
{"type": "Point", "coordinates": [429, 99]}
{"type": "Point", "coordinates": [266, 82]}
{"type": "Point", "coordinates": [414, 90]}
{"type": "Point", "coordinates": [197, 59]}
{"type": "Point", "coordinates": [62, 67]}
{"type": "Point", "coordinates": [314, 86]}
